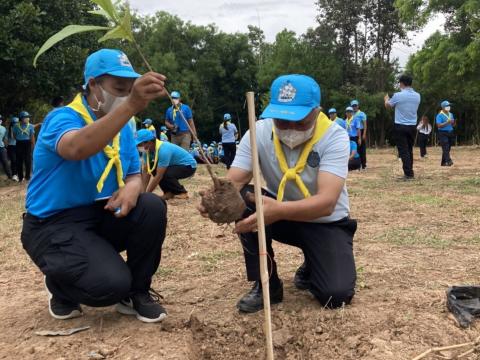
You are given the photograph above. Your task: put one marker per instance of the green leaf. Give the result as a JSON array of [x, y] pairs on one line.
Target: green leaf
[[109, 9], [122, 31], [100, 12], [64, 33]]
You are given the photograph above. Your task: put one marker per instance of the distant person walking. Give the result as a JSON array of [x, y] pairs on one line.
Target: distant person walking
[[229, 134], [174, 121], [361, 119], [406, 103], [424, 130], [445, 122], [24, 134]]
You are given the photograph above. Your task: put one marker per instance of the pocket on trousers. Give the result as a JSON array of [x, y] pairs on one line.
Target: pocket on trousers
[[65, 259]]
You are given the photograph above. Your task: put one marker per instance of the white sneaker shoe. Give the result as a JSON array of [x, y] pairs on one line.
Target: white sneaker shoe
[[15, 178]]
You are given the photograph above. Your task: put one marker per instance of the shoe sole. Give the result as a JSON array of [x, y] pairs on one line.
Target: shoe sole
[[127, 310], [72, 315]]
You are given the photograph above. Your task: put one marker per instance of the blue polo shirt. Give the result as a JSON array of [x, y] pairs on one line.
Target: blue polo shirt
[[341, 122], [23, 132], [352, 129], [406, 104], [354, 146], [361, 118], [441, 118], [178, 121], [58, 184], [3, 136], [173, 155]]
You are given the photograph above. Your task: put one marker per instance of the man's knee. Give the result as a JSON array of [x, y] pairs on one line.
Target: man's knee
[[153, 208], [333, 297], [108, 288]]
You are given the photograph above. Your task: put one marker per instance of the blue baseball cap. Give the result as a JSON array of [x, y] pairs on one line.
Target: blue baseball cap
[[144, 135], [349, 108], [354, 103], [227, 117], [292, 98], [445, 103], [24, 114], [147, 122], [332, 111], [15, 119], [108, 62], [175, 95], [163, 128]]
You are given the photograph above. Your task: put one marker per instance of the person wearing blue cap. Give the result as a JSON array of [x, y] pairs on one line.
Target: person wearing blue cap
[[180, 134], [148, 124], [406, 103], [3, 150], [84, 203], [352, 124], [12, 147], [229, 134], [361, 118], [164, 164], [332, 114], [304, 161], [163, 133], [24, 134], [445, 122]]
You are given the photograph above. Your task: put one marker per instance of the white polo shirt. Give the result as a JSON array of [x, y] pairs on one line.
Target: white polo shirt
[[329, 154]]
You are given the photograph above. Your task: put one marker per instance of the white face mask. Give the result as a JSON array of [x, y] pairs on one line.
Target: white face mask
[[293, 138], [447, 108], [110, 102]]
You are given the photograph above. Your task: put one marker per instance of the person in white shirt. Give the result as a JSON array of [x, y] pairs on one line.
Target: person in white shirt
[[424, 130]]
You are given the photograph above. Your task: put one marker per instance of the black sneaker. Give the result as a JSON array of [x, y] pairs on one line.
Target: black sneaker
[[145, 306], [61, 309], [253, 300], [301, 279], [406, 178]]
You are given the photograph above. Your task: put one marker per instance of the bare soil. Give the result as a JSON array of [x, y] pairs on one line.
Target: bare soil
[[414, 240]]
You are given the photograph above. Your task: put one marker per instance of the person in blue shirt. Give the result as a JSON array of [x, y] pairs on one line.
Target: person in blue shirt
[[177, 124], [229, 134], [361, 119], [445, 122], [164, 164], [332, 114], [3, 149], [12, 147], [24, 134], [354, 162], [163, 133], [352, 124], [148, 124], [406, 103], [84, 204]]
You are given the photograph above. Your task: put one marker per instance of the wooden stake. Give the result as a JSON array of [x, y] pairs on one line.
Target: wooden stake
[[262, 243]]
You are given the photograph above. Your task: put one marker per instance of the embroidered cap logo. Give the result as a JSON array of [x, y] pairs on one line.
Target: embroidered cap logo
[[124, 60], [287, 93]]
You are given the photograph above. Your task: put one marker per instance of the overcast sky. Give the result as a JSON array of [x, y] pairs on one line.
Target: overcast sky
[[271, 15]]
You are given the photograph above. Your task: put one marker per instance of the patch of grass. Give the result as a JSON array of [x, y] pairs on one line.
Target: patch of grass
[[212, 260], [470, 186], [164, 271], [426, 199], [409, 235]]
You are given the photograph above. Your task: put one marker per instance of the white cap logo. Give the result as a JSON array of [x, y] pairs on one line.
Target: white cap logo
[[287, 93], [124, 60]]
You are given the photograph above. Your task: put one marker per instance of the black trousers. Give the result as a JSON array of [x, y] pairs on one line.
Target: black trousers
[[405, 137], [4, 161], [422, 143], [446, 139], [24, 157], [362, 151], [12, 155], [354, 164], [169, 182], [328, 251], [229, 151], [78, 250]]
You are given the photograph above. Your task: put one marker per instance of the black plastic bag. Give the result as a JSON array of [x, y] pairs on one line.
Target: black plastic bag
[[464, 303]]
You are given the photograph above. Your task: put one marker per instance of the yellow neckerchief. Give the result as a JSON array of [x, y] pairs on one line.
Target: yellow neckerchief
[[349, 121], [25, 131], [176, 108], [446, 114], [111, 151], [290, 174], [151, 128], [158, 143]]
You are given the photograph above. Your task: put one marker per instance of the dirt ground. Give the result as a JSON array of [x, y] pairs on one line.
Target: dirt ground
[[414, 239]]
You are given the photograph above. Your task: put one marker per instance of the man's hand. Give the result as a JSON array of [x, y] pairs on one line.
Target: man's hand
[[360, 141], [272, 212], [124, 199], [386, 98], [145, 89]]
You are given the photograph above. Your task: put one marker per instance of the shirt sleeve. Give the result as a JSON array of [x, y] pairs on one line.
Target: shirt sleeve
[[334, 160], [31, 130], [134, 167], [56, 127], [164, 156], [243, 157], [394, 100], [188, 112], [168, 115], [440, 119]]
